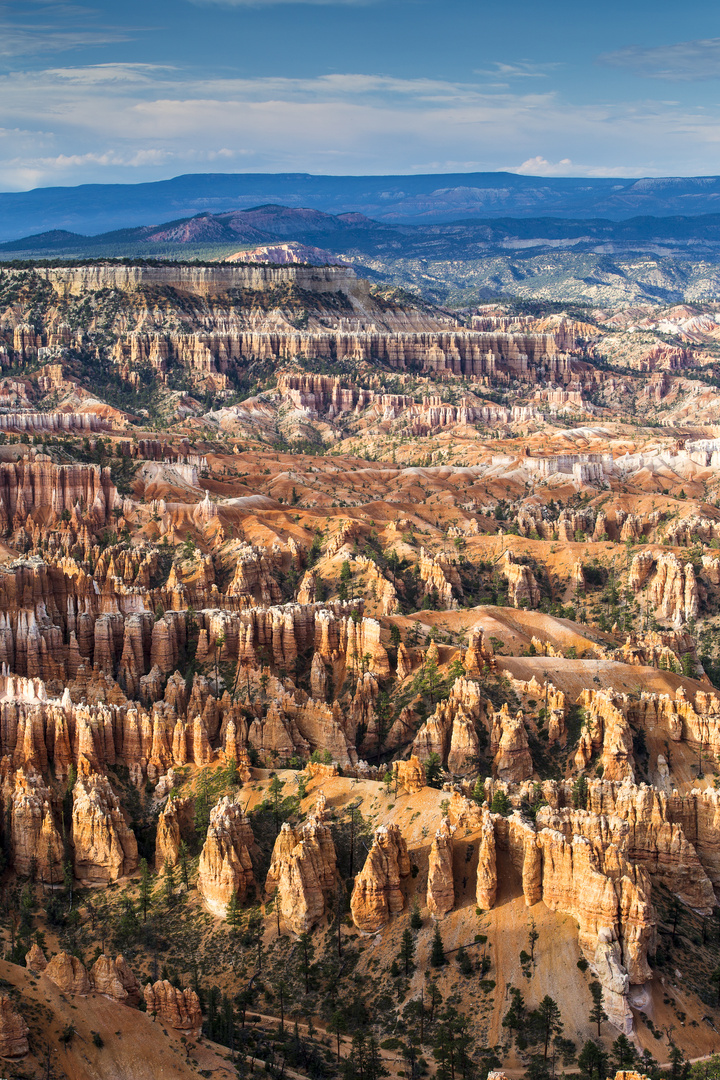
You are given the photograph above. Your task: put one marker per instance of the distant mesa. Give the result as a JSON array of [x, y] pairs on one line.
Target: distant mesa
[[287, 254]]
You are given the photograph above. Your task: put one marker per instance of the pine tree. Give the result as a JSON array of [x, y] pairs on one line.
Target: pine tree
[[184, 860], [437, 953], [548, 1022], [275, 792], [145, 888], [233, 914], [415, 916], [478, 792], [304, 943], [624, 1052], [407, 951], [338, 1027], [580, 793], [169, 883], [597, 1013], [593, 1061], [433, 771], [501, 803]]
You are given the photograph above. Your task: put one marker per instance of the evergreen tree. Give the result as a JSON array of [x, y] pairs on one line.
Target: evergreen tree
[[593, 1061], [145, 888], [338, 1027], [580, 793], [597, 1013], [435, 997], [415, 916], [233, 914], [169, 883], [624, 1053], [437, 953], [478, 792], [407, 951], [304, 943], [433, 771], [275, 790], [184, 861], [501, 803], [547, 1022]]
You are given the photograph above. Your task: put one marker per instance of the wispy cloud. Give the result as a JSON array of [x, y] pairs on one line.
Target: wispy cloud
[[685, 61], [53, 28], [128, 121], [521, 69]]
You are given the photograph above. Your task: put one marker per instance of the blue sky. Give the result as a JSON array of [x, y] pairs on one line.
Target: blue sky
[[134, 91]]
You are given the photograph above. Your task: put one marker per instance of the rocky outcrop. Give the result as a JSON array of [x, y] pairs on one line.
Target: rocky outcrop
[[440, 886], [672, 587], [105, 848], [35, 960], [225, 868], [377, 893], [450, 732], [410, 774], [655, 841], [439, 576], [523, 589], [180, 1009], [578, 863], [509, 742], [486, 890], [68, 973], [174, 825], [114, 979], [13, 1031], [36, 842], [606, 729], [303, 871], [479, 654]]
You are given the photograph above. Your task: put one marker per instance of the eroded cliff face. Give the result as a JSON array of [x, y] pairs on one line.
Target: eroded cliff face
[[377, 893], [303, 874], [13, 1031], [105, 847], [225, 869], [579, 863], [115, 980], [180, 1009], [440, 886]]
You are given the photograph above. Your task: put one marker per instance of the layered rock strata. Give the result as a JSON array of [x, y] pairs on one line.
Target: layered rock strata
[[225, 868], [377, 893]]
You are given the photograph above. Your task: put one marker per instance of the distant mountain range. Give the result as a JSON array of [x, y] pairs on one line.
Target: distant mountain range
[[93, 208], [660, 259], [356, 233]]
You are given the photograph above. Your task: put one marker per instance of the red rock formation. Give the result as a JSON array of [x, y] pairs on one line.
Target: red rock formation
[[105, 847], [303, 871], [377, 893], [13, 1031], [410, 774], [508, 739], [225, 867], [180, 1009], [68, 973], [115, 980], [523, 589], [440, 886], [35, 959]]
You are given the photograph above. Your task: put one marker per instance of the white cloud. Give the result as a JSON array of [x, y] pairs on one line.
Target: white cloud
[[113, 122], [54, 27], [685, 61], [540, 166]]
